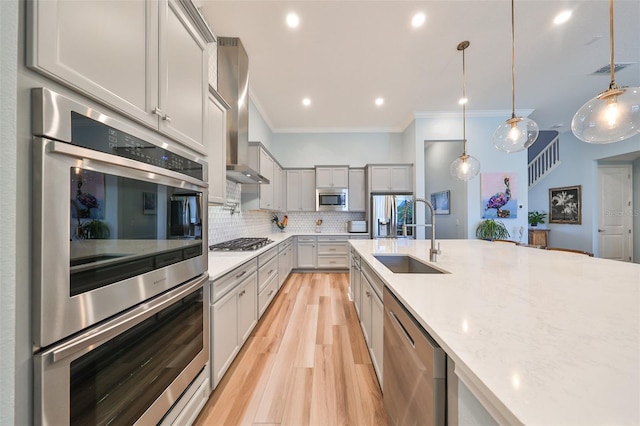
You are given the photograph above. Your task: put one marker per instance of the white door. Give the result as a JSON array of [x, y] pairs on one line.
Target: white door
[[615, 225]]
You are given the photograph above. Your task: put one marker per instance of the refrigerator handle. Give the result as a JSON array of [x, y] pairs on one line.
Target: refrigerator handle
[[394, 217]]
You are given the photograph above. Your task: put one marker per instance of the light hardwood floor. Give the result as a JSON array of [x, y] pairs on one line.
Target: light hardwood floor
[[306, 363]]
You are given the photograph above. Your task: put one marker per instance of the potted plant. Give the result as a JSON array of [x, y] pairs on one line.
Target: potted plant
[[491, 229], [536, 217]]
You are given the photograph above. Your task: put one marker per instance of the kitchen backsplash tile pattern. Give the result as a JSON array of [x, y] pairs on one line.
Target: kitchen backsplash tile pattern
[[223, 225]]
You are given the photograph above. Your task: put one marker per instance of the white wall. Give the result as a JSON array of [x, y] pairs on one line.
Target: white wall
[[10, 376], [354, 149], [479, 133], [438, 158], [579, 167]]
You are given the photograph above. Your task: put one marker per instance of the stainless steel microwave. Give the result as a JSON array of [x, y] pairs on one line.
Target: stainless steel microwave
[[332, 200]]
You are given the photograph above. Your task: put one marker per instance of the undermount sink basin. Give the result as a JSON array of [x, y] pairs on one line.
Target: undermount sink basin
[[403, 264]]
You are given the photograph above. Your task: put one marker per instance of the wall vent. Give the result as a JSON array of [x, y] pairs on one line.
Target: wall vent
[[607, 68]]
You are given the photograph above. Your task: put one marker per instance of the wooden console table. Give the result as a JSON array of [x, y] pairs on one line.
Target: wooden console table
[[539, 237]]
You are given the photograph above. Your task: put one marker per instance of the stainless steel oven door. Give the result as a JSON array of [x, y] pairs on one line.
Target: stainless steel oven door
[[128, 370]]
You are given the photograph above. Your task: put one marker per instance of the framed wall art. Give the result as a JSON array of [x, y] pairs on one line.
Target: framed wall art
[[565, 205], [441, 202], [499, 195], [149, 203]]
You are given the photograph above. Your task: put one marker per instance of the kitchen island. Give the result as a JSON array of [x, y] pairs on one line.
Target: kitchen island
[[539, 337]]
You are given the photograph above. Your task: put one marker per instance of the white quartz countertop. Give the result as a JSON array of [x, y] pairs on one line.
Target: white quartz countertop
[[541, 337]]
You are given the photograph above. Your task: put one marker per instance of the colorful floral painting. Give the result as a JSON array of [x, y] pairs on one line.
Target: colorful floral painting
[[499, 195], [565, 205]]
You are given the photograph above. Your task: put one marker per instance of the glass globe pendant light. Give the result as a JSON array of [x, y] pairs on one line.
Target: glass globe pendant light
[[517, 133], [464, 167], [613, 115]]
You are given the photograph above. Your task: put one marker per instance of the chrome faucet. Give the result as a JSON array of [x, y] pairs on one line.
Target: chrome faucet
[[433, 252]]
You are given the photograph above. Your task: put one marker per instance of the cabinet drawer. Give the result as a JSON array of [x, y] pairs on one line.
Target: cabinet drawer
[[333, 261], [284, 245], [328, 238], [224, 284], [372, 277], [266, 272], [332, 248], [267, 294], [306, 239], [265, 257]]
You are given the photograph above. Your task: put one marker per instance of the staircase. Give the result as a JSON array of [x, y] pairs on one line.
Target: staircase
[[546, 160]]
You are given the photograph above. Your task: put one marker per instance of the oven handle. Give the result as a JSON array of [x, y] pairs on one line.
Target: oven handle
[[138, 314], [89, 154]]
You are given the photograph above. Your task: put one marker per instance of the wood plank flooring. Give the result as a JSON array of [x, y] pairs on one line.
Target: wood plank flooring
[[305, 363]]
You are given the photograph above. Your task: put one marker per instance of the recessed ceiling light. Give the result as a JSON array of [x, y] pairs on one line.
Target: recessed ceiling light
[[418, 19], [379, 101], [463, 101], [293, 20], [306, 102], [562, 17]]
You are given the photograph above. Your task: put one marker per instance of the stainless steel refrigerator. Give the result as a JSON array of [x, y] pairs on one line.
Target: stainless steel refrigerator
[[387, 212]]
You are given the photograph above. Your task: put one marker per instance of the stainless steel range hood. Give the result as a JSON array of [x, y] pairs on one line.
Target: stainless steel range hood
[[233, 85]]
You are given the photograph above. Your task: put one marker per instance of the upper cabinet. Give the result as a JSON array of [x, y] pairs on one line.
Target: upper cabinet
[[356, 190], [301, 191], [264, 196], [332, 177], [215, 143], [391, 178], [147, 59]]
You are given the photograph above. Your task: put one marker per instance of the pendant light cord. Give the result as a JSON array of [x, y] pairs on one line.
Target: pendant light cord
[[612, 85], [464, 106], [513, 61]]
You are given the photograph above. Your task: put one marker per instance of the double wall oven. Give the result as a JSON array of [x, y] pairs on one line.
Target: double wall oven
[[120, 326]]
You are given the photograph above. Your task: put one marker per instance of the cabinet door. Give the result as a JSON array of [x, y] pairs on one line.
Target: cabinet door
[[356, 190], [306, 255], [379, 178], [216, 150], [324, 177], [377, 328], [293, 190], [183, 76], [224, 316], [365, 318], [266, 190], [105, 50], [247, 307], [356, 288], [307, 190], [400, 178], [276, 185], [340, 177]]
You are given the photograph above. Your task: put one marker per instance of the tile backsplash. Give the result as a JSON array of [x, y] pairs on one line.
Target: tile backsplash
[[225, 225]]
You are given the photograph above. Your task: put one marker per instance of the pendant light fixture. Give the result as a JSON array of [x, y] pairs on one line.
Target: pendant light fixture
[[517, 133], [464, 167], [613, 115]]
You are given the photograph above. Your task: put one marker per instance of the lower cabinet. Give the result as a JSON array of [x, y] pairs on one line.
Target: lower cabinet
[[322, 252], [267, 278], [355, 282], [306, 252], [371, 317], [285, 261], [234, 314]]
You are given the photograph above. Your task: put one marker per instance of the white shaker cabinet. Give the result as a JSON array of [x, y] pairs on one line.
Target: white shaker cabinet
[[215, 142], [357, 190], [260, 196], [306, 252], [332, 177], [301, 190], [147, 59], [234, 314], [372, 316], [387, 178]]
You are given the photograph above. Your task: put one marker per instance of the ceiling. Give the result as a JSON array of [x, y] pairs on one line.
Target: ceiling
[[344, 54]]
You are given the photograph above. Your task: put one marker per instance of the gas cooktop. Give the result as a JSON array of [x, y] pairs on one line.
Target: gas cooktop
[[241, 244]]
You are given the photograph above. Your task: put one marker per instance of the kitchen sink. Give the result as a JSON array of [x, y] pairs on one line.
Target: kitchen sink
[[404, 264]]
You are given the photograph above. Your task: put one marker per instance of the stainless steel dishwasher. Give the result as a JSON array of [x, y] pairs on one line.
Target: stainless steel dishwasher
[[414, 370]]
